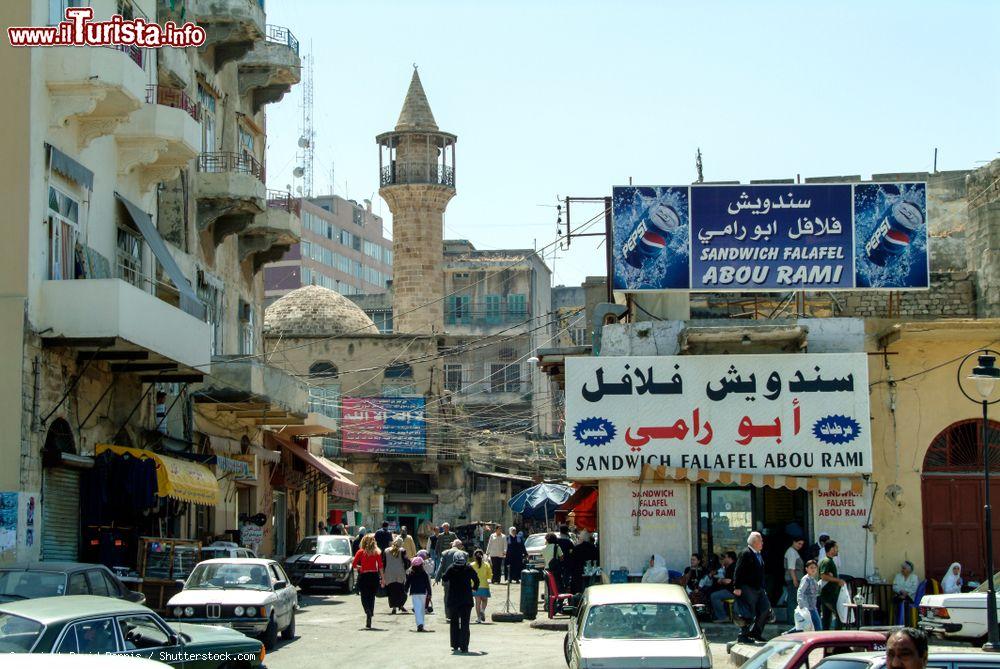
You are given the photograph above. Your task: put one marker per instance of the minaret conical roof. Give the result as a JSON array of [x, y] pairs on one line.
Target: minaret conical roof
[[416, 113]]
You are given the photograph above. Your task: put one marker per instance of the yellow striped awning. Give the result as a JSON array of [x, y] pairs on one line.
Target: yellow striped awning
[[841, 484], [176, 478]]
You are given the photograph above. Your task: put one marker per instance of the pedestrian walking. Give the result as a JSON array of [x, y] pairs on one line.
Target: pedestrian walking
[[368, 563], [829, 593], [418, 585], [484, 572], [383, 537], [432, 541], [793, 574], [445, 542], [447, 558], [356, 544], [516, 553], [460, 582], [396, 564], [408, 545], [750, 592], [807, 596], [428, 565], [496, 549]]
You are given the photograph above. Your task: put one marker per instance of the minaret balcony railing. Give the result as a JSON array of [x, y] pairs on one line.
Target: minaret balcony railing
[[418, 173]]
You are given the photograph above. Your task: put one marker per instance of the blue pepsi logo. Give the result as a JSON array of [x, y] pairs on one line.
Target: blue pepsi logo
[[837, 429], [594, 431]]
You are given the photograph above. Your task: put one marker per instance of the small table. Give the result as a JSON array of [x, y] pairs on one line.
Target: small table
[[860, 611]]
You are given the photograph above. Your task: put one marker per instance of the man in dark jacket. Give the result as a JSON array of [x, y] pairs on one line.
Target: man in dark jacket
[[461, 581], [383, 537], [748, 581]]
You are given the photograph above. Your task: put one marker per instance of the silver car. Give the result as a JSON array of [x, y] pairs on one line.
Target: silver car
[[635, 625]]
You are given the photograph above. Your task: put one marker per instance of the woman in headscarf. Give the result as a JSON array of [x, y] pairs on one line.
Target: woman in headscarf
[[428, 566], [905, 584], [356, 544], [396, 564], [515, 555], [952, 582], [657, 572]]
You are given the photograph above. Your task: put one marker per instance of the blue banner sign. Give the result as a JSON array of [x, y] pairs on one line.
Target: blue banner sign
[[384, 425], [773, 237]]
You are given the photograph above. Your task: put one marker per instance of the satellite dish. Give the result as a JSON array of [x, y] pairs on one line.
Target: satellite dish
[[298, 172], [303, 141]]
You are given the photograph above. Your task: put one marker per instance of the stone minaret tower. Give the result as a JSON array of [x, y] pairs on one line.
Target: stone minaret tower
[[417, 166]]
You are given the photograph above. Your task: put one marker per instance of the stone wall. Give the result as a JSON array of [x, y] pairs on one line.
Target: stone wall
[[983, 236], [952, 295]]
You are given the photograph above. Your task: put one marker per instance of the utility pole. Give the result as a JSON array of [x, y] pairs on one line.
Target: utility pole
[[698, 166]]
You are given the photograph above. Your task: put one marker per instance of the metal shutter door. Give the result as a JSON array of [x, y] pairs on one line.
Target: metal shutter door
[[61, 514]]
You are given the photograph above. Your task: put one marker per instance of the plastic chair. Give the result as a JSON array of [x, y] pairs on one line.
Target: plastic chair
[[553, 594], [618, 576]]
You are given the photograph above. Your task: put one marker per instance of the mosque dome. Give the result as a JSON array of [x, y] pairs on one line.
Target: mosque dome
[[314, 311]]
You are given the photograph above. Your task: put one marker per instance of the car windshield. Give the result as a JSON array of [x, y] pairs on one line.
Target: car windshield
[[535, 541], [325, 546], [228, 575], [17, 634], [639, 621], [774, 655], [20, 584], [984, 586]]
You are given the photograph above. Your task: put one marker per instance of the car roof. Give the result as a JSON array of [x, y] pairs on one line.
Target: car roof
[[840, 636], [54, 609], [235, 560], [634, 593], [49, 566]]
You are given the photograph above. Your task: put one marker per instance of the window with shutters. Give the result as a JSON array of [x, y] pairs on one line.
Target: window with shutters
[[517, 307], [458, 310], [493, 313]]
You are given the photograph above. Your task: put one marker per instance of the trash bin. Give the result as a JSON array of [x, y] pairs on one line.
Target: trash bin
[[529, 593]]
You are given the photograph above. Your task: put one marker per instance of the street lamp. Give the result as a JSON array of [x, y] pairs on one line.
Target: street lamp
[[985, 377]]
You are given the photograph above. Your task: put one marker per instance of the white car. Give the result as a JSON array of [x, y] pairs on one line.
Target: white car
[[251, 595], [636, 625], [322, 561], [957, 616]]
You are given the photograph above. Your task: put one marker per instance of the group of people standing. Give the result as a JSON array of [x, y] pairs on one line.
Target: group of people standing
[[507, 554]]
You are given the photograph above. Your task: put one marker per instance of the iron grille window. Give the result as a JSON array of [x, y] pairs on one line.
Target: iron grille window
[[453, 373]]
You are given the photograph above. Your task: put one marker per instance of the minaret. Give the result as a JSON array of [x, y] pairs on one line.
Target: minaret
[[417, 168]]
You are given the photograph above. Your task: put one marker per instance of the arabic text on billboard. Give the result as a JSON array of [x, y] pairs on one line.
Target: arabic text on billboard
[[771, 237], [384, 425], [795, 414]]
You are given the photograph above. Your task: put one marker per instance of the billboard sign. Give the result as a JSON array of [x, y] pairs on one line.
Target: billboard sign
[[791, 414], [394, 425], [767, 237]]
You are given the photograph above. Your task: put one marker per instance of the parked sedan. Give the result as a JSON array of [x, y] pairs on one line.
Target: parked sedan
[[804, 649], [950, 660], [85, 624], [636, 625], [323, 560], [28, 580], [251, 595], [957, 616], [534, 544]]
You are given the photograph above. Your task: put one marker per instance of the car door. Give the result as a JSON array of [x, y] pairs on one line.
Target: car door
[[284, 597], [94, 636], [145, 635]]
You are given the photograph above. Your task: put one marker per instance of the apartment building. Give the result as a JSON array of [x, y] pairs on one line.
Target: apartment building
[[343, 248], [132, 294]]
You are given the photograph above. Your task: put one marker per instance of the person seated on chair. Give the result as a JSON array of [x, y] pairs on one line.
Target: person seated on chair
[[952, 582], [723, 587], [657, 572], [904, 586]]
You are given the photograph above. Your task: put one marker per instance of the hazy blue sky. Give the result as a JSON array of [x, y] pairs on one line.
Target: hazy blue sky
[[570, 97]]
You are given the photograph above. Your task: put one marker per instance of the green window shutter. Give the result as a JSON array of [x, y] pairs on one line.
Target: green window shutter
[[449, 314]]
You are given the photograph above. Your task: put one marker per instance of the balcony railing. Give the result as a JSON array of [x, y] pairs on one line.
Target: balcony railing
[[418, 173], [282, 35], [282, 199], [137, 54], [168, 96], [228, 161]]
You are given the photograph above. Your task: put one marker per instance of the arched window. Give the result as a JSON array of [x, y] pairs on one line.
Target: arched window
[[60, 437], [959, 448], [399, 371], [324, 391], [323, 370]]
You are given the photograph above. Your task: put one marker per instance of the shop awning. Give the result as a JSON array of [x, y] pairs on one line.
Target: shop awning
[[841, 484], [582, 506], [175, 478], [340, 485]]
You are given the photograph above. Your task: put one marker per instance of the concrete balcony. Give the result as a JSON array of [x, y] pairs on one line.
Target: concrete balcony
[[273, 232], [229, 188], [232, 27], [174, 68], [161, 138], [118, 320], [97, 87], [271, 68]]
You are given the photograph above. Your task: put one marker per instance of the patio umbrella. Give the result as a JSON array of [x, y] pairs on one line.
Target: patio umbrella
[[540, 501]]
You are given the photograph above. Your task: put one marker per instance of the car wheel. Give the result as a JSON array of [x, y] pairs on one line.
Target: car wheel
[[270, 636], [289, 632], [566, 648]]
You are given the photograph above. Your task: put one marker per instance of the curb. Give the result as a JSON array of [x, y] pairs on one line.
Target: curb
[[550, 625]]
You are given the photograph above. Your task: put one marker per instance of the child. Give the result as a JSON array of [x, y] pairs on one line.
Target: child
[[485, 573], [418, 584], [808, 593]]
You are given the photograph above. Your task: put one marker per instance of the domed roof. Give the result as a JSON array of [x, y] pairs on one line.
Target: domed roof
[[316, 311]]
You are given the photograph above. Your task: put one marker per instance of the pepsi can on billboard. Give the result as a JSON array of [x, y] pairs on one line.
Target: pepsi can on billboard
[[651, 235], [892, 236]]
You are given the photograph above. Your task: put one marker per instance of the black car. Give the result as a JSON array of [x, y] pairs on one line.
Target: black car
[[29, 580]]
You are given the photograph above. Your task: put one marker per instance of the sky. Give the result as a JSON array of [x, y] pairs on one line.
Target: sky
[[551, 98]]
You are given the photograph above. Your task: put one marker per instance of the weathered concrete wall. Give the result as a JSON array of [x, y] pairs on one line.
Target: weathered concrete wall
[[983, 236]]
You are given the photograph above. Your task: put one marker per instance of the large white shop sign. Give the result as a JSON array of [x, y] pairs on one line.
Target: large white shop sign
[[796, 414]]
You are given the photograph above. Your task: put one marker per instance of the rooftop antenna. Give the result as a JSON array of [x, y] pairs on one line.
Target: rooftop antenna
[[307, 138]]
